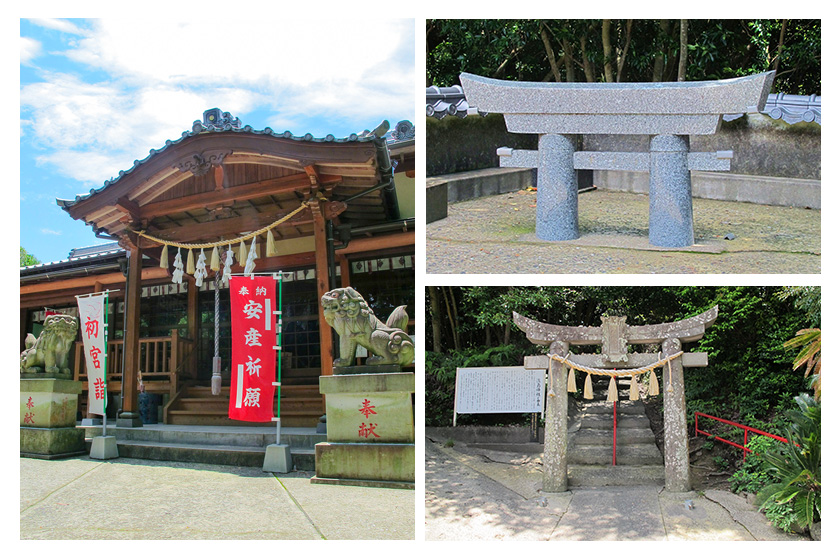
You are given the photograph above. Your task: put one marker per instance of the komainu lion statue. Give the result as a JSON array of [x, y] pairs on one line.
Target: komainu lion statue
[[48, 355], [348, 313]]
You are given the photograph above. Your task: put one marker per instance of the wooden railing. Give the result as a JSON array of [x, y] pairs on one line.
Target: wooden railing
[[162, 363]]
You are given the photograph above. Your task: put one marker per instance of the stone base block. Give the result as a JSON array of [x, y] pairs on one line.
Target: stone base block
[[278, 458], [49, 403], [369, 407], [365, 464], [104, 447], [51, 443], [436, 202]]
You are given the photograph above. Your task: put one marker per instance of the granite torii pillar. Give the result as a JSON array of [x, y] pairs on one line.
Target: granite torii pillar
[[613, 336], [668, 112]]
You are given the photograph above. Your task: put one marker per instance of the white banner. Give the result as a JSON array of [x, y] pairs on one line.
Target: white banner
[[499, 389], [92, 319]]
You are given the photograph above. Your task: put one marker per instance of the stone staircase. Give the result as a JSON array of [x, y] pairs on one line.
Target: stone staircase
[[638, 459], [301, 406], [242, 446]]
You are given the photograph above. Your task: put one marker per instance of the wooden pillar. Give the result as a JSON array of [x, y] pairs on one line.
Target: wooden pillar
[[129, 416], [555, 459], [677, 473], [344, 266], [322, 283]]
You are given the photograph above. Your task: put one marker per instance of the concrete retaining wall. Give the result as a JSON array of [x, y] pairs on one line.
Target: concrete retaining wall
[[774, 191]]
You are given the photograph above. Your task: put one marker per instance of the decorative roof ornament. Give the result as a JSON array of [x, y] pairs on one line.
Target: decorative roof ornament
[[403, 131]]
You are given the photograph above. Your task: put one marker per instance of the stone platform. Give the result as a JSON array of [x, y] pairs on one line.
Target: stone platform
[[370, 430], [47, 418]]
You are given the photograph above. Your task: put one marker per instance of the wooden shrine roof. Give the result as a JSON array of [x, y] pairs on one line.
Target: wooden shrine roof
[[221, 180]]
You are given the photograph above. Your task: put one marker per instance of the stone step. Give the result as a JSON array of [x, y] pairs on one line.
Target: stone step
[[624, 407], [605, 421], [619, 475], [245, 436], [236, 455], [625, 435], [628, 454]]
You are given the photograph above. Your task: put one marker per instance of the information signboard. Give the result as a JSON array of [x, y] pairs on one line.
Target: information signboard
[[498, 389]]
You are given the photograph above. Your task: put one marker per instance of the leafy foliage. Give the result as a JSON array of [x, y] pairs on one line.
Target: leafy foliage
[[748, 379], [636, 50], [26, 259], [797, 465], [751, 476]]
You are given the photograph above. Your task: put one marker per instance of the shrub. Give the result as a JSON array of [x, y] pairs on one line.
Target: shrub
[[797, 465]]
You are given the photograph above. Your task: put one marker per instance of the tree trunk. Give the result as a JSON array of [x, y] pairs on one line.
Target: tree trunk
[[780, 47], [659, 59], [450, 312], [683, 50], [455, 316], [587, 68], [608, 50], [570, 62], [434, 312], [507, 334], [623, 57], [550, 53]]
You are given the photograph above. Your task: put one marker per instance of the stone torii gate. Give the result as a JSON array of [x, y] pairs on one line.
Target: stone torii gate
[[667, 111], [613, 336]]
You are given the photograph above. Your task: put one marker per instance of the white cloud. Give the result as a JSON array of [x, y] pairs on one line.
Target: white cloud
[[161, 76], [29, 49], [46, 231], [63, 25]]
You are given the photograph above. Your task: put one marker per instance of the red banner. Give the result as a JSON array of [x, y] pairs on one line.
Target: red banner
[[253, 358]]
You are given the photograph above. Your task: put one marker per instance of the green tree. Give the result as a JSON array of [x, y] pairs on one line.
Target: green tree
[[26, 259], [626, 50]]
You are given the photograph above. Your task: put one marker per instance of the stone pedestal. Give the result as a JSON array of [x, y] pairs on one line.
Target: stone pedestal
[[370, 430], [104, 447], [278, 458], [48, 418]]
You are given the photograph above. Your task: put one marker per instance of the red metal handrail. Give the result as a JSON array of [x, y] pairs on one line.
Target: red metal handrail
[[746, 429]]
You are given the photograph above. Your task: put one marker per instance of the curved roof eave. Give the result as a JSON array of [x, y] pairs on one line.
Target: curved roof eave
[[199, 128]]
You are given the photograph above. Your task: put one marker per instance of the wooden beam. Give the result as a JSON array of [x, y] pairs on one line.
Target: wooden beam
[[215, 229], [129, 207], [402, 239], [242, 192], [89, 281]]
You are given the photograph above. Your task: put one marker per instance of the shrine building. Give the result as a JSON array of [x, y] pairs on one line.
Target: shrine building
[[349, 204]]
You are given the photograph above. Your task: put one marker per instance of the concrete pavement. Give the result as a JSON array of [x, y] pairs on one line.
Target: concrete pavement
[[80, 498], [481, 494]]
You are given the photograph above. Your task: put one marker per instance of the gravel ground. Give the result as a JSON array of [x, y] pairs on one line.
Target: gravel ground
[[495, 234]]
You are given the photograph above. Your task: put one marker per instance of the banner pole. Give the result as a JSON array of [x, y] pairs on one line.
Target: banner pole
[[105, 371], [279, 313]]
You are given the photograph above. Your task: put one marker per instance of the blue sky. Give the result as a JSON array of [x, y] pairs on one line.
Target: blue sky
[[95, 95]]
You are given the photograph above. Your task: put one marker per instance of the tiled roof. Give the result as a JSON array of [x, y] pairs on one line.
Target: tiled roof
[[790, 108], [447, 101], [76, 259], [216, 121]]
